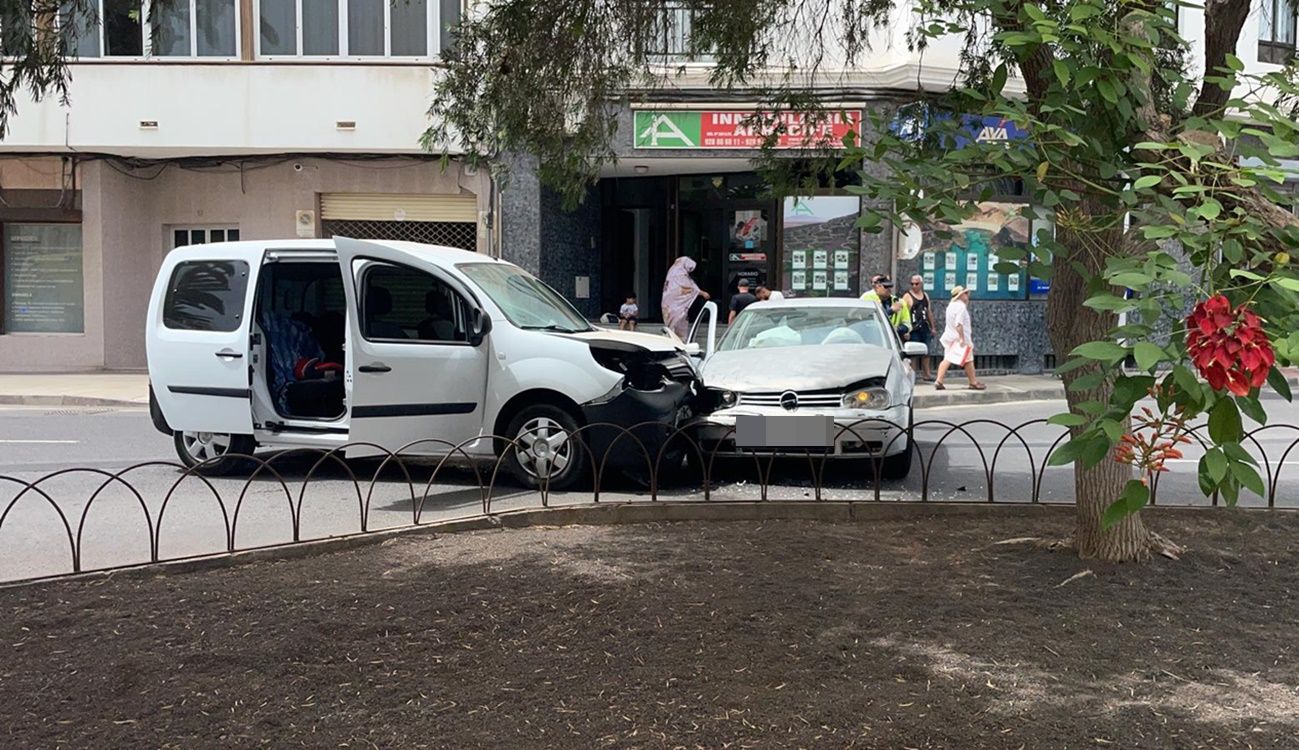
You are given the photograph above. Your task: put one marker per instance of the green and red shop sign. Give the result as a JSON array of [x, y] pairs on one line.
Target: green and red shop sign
[[744, 129]]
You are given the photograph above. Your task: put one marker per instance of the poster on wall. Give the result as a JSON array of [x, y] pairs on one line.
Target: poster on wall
[[43, 278], [820, 239], [970, 255], [929, 262]]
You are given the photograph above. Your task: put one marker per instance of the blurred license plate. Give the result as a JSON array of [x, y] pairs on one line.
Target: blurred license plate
[[784, 431]]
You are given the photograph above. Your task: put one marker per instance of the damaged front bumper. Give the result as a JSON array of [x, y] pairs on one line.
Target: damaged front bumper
[[629, 427]]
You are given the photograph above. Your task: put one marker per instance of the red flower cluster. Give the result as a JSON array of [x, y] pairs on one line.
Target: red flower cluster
[[1154, 440], [1229, 346]]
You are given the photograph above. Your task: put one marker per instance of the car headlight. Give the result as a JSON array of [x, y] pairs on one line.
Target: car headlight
[[725, 399], [866, 398]]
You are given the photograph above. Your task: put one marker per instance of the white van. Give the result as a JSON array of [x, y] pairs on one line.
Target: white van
[[380, 345]]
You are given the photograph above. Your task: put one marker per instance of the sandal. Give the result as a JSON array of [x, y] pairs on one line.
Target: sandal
[[939, 386], [978, 387]]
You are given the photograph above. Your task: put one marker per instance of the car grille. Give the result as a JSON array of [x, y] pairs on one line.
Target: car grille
[[805, 400]]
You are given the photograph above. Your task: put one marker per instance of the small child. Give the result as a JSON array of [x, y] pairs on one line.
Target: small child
[[628, 313]]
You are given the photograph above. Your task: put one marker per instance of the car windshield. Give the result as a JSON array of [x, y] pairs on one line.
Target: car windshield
[[526, 301], [769, 327]]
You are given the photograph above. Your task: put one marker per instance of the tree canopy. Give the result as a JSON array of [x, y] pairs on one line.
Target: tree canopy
[[1162, 171]]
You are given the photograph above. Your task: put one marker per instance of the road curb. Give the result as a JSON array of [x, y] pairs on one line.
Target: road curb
[[10, 400], [960, 396]]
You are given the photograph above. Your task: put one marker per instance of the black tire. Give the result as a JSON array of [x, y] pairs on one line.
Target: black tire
[[529, 463], [899, 466], [218, 453]]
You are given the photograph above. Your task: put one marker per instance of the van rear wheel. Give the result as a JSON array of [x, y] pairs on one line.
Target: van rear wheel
[[217, 453]]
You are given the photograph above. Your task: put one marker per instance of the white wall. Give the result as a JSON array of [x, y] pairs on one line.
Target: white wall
[[227, 108]]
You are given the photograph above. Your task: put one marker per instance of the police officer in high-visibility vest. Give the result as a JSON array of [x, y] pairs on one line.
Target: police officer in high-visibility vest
[[896, 308]]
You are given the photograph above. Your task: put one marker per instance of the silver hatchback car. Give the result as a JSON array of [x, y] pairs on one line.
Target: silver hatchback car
[[837, 358]]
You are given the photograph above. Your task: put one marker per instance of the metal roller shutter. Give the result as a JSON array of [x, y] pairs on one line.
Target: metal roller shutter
[[397, 207]]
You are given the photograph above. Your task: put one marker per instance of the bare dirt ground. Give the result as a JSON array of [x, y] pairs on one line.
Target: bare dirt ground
[[918, 633]]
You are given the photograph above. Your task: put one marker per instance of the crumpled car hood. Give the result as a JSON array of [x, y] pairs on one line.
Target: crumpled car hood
[[647, 341], [795, 368]]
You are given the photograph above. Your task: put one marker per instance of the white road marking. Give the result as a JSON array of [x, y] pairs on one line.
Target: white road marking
[[39, 442]]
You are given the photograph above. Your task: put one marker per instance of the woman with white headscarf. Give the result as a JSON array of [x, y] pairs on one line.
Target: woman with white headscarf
[[679, 294]]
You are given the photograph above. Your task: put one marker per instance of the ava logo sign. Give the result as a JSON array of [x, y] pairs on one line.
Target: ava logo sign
[[992, 133], [742, 129]]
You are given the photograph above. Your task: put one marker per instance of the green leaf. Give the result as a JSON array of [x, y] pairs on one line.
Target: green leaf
[[999, 78], [1101, 351], [1106, 87], [1224, 422], [1248, 478], [1252, 408], [1131, 280], [1279, 383], [1112, 429], [1094, 408], [1240, 273], [1134, 498], [1061, 73], [1067, 419], [1285, 282], [1148, 355], [1087, 382], [1146, 181], [1234, 63], [1213, 464], [1237, 453], [1066, 454], [1186, 380], [1159, 232], [1210, 209]]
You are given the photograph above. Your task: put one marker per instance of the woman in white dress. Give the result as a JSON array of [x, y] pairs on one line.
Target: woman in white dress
[[958, 340]]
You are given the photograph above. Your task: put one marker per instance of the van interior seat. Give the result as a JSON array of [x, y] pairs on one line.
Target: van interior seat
[[440, 325], [378, 302]]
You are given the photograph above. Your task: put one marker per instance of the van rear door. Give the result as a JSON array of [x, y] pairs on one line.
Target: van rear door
[[198, 338]]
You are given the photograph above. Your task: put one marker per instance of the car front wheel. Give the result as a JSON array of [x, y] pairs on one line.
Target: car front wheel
[[216, 453]]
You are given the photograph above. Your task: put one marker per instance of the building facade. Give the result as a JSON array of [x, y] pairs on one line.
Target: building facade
[[262, 119]]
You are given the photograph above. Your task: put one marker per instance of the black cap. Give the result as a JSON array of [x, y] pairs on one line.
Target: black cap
[[883, 281]]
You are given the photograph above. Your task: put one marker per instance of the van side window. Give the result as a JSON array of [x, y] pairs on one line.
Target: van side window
[[206, 295], [405, 304]]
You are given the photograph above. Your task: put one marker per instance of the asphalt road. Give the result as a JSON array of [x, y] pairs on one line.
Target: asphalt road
[[188, 519]]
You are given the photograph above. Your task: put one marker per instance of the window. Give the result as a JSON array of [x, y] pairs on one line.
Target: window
[[206, 295], [356, 28], [1276, 31], [527, 302], [672, 35], [181, 28], [43, 279], [182, 236], [408, 305]]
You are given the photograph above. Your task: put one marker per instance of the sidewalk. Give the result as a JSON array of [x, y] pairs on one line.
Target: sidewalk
[[132, 389]]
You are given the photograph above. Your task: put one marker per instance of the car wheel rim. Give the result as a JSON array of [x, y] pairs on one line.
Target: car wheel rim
[[205, 446], [544, 449]]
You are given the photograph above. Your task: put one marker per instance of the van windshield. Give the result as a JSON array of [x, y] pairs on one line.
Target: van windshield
[[526, 302]]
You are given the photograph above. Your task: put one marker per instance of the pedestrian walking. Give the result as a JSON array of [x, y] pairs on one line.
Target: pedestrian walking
[[958, 340], [922, 329], [680, 292]]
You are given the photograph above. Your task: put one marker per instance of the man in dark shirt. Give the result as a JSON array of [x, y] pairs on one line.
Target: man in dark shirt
[[741, 300]]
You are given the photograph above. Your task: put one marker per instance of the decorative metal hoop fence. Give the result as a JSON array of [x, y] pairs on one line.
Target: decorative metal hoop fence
[[662, 453]]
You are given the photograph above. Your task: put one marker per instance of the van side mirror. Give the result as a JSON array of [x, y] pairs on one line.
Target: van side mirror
[[915, 349], [480, 324]]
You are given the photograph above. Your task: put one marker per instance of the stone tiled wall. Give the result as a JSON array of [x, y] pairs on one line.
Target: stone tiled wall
[[570, 248]]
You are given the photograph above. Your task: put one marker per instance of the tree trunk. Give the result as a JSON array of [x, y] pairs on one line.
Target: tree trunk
[[1070, 324]]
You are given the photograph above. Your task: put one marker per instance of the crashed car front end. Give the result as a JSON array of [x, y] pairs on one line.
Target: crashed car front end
[[659, 393]]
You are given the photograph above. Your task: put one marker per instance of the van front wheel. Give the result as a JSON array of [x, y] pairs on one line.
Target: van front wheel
[[216, 453], [546, 449]]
